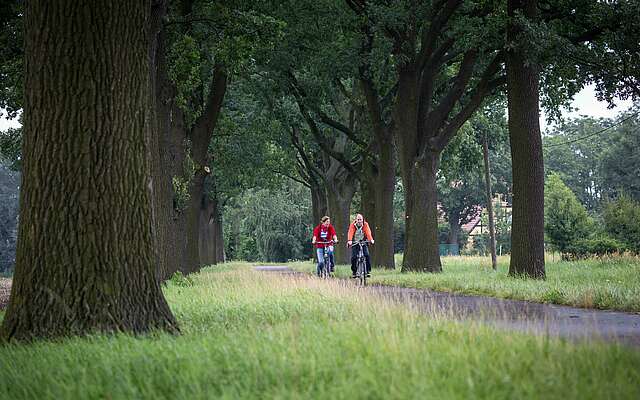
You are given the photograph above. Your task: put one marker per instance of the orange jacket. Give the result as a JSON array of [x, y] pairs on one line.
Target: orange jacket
[[365, 228]]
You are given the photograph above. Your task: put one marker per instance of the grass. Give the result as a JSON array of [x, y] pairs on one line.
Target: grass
[[606, 283], [258, 335]]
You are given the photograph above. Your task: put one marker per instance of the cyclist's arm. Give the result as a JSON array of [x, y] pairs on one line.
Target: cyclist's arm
[[367, 232], [350, 233]]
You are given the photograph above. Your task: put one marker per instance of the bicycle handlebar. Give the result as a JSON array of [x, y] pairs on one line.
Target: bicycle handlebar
[[360, 242]]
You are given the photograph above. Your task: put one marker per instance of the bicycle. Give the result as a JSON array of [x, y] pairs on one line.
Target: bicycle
[[361, 263], [325, 273]]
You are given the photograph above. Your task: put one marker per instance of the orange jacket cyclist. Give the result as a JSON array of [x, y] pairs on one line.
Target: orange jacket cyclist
[[359, 230]]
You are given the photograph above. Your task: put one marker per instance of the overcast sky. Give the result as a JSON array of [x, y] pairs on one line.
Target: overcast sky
[[585, 103]]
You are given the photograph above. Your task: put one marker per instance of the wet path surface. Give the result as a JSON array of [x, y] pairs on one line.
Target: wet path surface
[[517, 315]]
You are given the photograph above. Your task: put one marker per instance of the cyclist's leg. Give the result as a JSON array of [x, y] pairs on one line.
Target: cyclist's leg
[[333, 264], [320, 257], [354, 259], [365, 250]]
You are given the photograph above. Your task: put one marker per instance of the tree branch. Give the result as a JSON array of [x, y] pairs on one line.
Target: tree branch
[[488, 83], [438, 115], [430, 36]]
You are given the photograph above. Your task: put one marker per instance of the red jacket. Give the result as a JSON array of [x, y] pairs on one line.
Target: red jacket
[[323, 235]]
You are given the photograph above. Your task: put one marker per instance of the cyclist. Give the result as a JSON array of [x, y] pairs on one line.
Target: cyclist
[[324, 236], [359, 230]]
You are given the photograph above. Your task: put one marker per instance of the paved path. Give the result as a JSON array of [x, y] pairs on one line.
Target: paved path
[[524, 316]]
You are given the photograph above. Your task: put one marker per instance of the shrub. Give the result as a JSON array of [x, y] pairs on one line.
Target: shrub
[[622, 221], [566, 219], [598, 246]]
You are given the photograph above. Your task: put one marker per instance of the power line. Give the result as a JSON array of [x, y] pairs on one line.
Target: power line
[[595, 133]]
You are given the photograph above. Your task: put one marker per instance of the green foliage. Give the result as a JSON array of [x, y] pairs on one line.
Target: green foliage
[[622, 221], [185, 62], [619, 160], [566, 220], [11, 57], [180, 193], [597, 159], [269, 225], [11, 148], [459, 180], [598, 246]]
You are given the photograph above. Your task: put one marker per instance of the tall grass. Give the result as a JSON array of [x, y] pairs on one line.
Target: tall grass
[[605, 283], [261, 335]]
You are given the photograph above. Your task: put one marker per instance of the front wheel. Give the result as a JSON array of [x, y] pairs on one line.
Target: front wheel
[[362, 273]]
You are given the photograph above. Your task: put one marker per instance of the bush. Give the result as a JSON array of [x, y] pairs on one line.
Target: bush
[[597, 246], [622, 221], [566, 219]]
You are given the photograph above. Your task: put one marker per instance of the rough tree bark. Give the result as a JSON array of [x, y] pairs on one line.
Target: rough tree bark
[[527, 230], [172, 137], [384, 175], [162, 190], [421, 252], [219, 237], [319, 202], [85, 257], [200, 136], [207, 234]]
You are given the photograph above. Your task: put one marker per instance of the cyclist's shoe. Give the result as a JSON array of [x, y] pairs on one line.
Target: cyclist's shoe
[[354, 276], [368, 275]]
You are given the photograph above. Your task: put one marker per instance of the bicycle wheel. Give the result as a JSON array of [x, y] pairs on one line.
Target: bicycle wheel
[[325, 267], [362, 275]]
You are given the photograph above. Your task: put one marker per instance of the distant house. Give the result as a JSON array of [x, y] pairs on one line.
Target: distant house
[[478, 225]]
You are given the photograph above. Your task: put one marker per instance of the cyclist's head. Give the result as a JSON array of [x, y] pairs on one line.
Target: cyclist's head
[[359, 219], [325, 220]]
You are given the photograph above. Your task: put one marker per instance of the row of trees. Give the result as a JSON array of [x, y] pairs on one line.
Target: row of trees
[[135, 142]]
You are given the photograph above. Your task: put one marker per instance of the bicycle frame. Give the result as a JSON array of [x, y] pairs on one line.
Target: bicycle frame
[[325, 272], [361, 263]]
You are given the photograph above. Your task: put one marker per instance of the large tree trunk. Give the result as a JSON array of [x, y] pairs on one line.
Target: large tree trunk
[[527, 230], [385, 177], [172, 138], [200, 138], [207, 232], [385, 187], [454, 230], [319, 204], [219, 237], [421, 251], [193, 228], [176, 152], [161, 174], [85, 257]]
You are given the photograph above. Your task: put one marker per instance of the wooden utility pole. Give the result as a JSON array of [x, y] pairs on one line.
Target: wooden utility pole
[[487, 180]]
